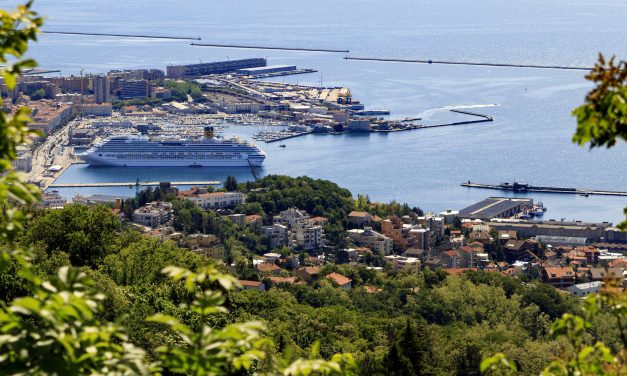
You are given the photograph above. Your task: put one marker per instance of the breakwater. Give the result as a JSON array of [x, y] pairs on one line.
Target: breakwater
[[131, 184], [523, 188]]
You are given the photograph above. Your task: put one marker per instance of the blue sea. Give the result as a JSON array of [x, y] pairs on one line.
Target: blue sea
[[529, 140]]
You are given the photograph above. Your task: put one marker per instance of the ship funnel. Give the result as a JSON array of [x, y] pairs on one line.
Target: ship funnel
[[209, 132]]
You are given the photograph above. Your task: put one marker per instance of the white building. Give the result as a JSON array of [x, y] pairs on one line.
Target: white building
[[584, 289], [53, 200], [303, 231], [367, 237], [153, 214], [277, 234], [216, 200], [401, 262]]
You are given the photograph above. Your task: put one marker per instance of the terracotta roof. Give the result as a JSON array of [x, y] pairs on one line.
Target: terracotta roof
[[618, 263], [359, 214], [564, 272], [244, 282], [372, 289], [450, 253], [339, 279], [290, 280], [267, 267], [252, 218], [311, 270]]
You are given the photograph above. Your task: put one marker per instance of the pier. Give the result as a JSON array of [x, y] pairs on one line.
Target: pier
[[131, 184], [447, 62], [523, 188], [287, 137], [120, 35], [268, 47]]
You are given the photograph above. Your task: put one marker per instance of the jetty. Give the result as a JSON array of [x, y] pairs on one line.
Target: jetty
[[523, 188], [131, 184]]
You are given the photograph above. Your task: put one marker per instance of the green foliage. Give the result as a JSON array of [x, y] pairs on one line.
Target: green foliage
[[276, 193], [86, 234], [180, 90], [38, 94], [602, 119], [54, 331], [230, 184]]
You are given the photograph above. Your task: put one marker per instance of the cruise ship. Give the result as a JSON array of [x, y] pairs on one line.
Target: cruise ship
[[139, 151]]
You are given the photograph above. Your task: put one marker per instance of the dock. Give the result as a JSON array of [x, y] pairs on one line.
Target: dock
[[287, 137], [131, 184], [523, 188]]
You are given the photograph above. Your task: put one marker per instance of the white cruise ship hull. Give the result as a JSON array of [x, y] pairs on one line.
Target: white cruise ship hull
[[133, 151], [239, 162]]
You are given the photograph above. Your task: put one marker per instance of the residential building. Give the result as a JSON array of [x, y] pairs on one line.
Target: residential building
[[584, 289], [399, 232], [153, 214], [212, 200], [53, 200], [308, 273], [340, 280], [102, 89], [359, 218], [252, 285], [48, 115], [277, 235], [600, 274], [377, 242], [94, 109], [254, 220], [560, 277], [268, 268], [129, 89], [450, 259], [303, 230], [402, 262], [238, 219], [520, 249]]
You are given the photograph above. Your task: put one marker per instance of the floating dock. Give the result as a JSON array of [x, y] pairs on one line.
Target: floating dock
[[523, 188], [131, 184]]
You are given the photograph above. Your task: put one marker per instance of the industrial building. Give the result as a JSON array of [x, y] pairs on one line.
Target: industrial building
[[496, 207], [526, 229], [218, 67], [266, 70]]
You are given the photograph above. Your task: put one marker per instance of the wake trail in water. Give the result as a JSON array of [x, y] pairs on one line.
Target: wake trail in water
[[427, 113]]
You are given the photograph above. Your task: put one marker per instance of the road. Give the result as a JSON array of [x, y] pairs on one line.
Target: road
[[53, 151]]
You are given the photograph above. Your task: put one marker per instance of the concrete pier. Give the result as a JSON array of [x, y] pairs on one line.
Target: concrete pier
[[131, 184]]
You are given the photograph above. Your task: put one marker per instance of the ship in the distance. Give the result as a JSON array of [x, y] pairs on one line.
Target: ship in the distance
[[139, 151]]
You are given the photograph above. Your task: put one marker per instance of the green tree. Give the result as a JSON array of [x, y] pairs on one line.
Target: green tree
[[602, 119], [86, 233], [230, 184]]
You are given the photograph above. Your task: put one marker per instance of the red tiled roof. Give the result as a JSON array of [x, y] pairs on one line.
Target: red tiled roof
[[359, 214], [290, 280], [559, 272], [267, 267], [450, 253], [339, 279], [244, 282]]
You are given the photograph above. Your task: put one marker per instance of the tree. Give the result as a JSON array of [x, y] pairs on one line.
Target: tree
[[602, 119], [53, 329], [230, 184], [86, 233]]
